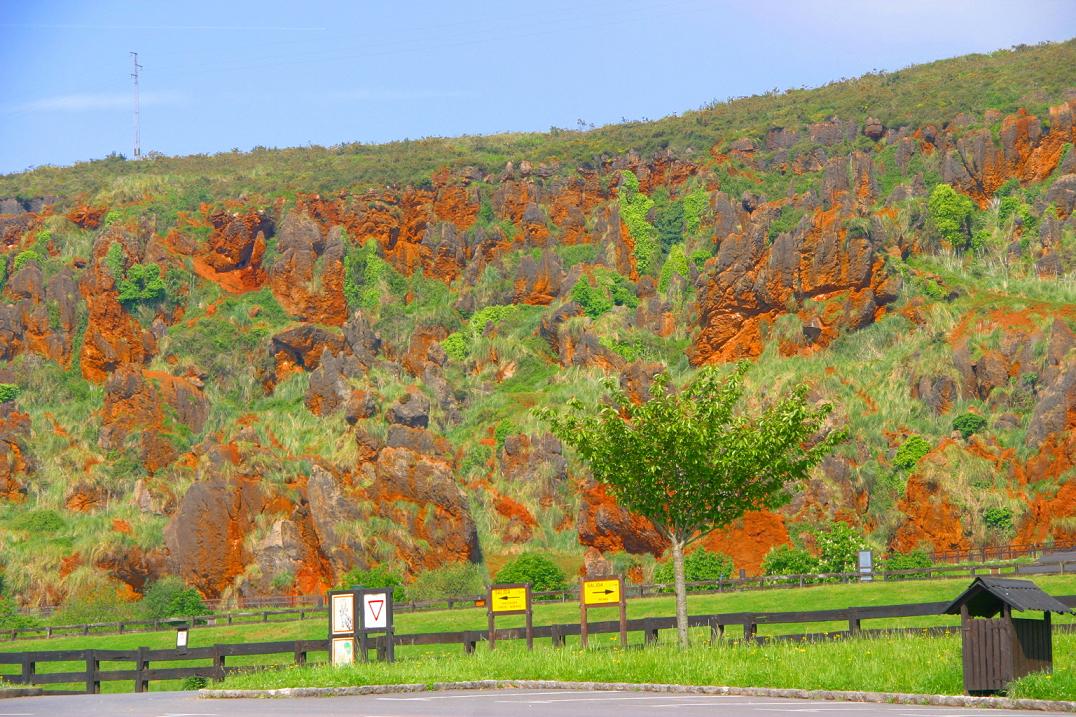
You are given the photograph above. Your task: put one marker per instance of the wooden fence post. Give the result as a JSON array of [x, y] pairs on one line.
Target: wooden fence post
[[29, 668], [141, 667], [300, 655], [93, 666], [854, 623], [218, 663], [650, 632]]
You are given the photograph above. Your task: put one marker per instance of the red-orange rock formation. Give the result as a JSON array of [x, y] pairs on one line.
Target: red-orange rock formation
[[606, 526], [113, 337], [749, 539], [308, 278], [233, 254], [16, 463]]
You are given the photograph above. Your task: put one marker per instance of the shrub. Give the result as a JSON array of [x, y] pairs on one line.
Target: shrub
[[910, 452], [572, 254], [699, 565], [534, 568], [142, 282], [969, 424], [455, 346], [378, 577], [839, 548], [170, 597], [194, 683], [594, 300], [785, 221], [789, 560], [634, 208], [96, 603], [609, 289], [41, 521], [998, 518], [11, 618], [22, 258], [115, 260], [8, 392], [950, 212], [908, 561], [452, 580], [676, 263], [694, 205]]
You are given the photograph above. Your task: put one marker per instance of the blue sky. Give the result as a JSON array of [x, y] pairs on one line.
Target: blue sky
[[221, 75]]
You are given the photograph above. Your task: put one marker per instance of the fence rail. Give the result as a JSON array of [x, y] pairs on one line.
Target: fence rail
[[764, 582], [146, 661]]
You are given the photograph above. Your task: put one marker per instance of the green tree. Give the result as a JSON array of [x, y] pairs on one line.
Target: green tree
[[951, 213], [694, 460], [542, 573]]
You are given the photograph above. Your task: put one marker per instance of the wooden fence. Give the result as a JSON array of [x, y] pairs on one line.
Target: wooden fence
[[146, 662], [763, 582]]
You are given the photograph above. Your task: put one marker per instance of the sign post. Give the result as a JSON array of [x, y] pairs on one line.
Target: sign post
[[604, 592], [353, 616], [514, 599]]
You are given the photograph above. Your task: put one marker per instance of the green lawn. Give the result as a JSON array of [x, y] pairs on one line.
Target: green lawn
[[813, 598], [895, 664]]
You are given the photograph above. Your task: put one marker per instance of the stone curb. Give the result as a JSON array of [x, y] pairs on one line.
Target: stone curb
[[8, 692], [876, 697]]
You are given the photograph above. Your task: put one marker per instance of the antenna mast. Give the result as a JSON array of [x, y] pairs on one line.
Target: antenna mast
[[137, 107]]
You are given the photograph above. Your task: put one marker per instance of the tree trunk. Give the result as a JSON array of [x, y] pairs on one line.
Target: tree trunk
[[681, 591]]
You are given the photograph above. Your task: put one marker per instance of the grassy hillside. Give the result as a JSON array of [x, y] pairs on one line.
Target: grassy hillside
[[260, 371]]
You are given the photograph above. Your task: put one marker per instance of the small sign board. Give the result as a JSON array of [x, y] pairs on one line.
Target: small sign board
[[866, 566], [342, 613], [601, 592], [509, 599], [376, 607], [343, 651]]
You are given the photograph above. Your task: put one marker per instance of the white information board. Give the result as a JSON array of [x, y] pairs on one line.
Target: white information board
[[375, 612]]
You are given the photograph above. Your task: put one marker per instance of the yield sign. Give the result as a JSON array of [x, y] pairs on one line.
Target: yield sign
[[373, 610]]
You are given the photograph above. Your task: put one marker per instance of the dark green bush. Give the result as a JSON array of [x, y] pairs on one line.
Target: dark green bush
[[42, 521], [141, 283], [11, 618], [452, 580], [969, 424], [8, 392], [908, 561], [789, 560], [951, 214], [170, 597], [699, 565], [909, 453], [998, 518], [534, 568], [378, 577]]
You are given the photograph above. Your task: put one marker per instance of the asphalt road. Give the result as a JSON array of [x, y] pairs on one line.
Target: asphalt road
[[499, 703]]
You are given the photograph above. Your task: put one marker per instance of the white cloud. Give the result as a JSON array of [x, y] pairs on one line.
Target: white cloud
[[88, 102]]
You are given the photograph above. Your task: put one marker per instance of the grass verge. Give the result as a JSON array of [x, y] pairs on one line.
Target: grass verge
[[891, 664]]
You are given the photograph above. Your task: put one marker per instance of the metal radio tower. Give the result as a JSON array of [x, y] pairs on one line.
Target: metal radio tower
[[137, 107]]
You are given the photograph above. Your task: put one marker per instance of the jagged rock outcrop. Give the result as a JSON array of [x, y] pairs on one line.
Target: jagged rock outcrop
[[308, 278]]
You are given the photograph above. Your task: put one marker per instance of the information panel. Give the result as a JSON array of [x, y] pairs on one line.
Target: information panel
[[510, 599], [601, 592]]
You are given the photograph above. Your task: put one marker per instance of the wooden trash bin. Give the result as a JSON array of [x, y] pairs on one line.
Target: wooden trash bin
[[997, 647]]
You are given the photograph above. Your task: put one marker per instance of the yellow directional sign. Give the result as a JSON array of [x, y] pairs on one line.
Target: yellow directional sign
[[508, 599], [601, 592]]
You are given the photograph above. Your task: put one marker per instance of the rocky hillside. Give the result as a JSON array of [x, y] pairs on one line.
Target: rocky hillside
[[258, 371]]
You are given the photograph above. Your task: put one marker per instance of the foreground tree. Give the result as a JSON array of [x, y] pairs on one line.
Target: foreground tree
[[690, 461]]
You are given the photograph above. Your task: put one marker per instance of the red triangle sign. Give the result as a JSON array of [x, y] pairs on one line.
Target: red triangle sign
[[375, 608]]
